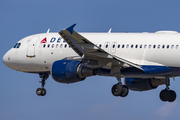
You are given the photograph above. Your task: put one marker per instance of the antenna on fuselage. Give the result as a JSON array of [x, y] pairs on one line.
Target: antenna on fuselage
[[48, 30], [110, 30]]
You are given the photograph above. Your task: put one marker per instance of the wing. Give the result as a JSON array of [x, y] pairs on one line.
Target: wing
[[86, 49], [89, 51]]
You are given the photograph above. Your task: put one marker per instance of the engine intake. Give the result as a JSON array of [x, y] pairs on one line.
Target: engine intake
[[69, 71]]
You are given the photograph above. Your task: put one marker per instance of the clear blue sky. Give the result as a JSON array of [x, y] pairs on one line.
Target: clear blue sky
[[92, 98]]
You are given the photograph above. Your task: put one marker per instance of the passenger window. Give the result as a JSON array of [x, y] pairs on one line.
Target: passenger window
[[159, 46], [113, 46], [52, 45], [122, 46], [172, 46], [57, 45], [149, 46], [163, 46], [154, 46], [167, 46], [136, 46], [44, 45], [61, 45], [131, 46], [106, 45], [177, 46], [65, 45], [140, 46], [127, 46], [48, 45], [145, 46], [118, 46], [100, 45]]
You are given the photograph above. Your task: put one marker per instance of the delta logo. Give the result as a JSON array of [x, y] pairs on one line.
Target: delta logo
[[44, 40]]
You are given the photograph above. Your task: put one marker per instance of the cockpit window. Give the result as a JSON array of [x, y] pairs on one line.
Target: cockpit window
[[17, 45]]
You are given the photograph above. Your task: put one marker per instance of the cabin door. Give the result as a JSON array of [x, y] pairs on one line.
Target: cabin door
[[31, 47]]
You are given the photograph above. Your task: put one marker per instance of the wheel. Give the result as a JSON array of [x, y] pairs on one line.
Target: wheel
[[167, 95], [164, 95], [116, 90], [43, 91], [173, 96], [125, 91], [38, 91]]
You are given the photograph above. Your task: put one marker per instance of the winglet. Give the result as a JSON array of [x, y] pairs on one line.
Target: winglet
[[70, 29]]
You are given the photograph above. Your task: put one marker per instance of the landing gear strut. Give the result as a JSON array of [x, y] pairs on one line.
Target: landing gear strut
[[120, 90], [42, 91], [167, 94]]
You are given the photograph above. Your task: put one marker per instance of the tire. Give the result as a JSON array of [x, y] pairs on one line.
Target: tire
[[173, 96], [38, 91], [165, 95], [43, 91], [116, 90], [125, 91]]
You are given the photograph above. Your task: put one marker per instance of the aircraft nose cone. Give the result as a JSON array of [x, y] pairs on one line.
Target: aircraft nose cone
[[5, 59], [10, 59]]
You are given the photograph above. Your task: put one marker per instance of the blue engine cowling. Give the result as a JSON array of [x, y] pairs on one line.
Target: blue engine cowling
[[70, 71], [139, 84]]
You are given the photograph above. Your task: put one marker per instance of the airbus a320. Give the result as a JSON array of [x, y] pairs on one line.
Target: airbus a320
[[143, 60]]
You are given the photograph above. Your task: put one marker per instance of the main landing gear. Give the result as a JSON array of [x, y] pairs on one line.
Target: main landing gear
[[120, 90], [42, 91], [167, 94]]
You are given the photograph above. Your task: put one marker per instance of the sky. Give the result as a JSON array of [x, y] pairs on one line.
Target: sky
[[91, 98]]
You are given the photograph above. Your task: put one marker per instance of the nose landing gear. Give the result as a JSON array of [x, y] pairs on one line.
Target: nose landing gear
[[42, 91]]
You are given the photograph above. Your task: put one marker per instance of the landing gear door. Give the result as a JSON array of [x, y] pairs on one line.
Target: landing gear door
[[31, 47], [106, 46]]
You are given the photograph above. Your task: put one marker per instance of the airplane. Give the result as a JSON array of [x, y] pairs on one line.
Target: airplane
[[143, 60]]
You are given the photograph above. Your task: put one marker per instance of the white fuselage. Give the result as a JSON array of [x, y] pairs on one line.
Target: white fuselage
[[140, 48], [144, 60]]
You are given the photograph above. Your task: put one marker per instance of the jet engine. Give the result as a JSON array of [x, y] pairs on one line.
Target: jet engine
[[70, 71], [140, 84]]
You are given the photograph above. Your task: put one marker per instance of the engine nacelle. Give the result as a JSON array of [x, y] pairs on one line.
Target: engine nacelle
[[139, 84], [69, 71]]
